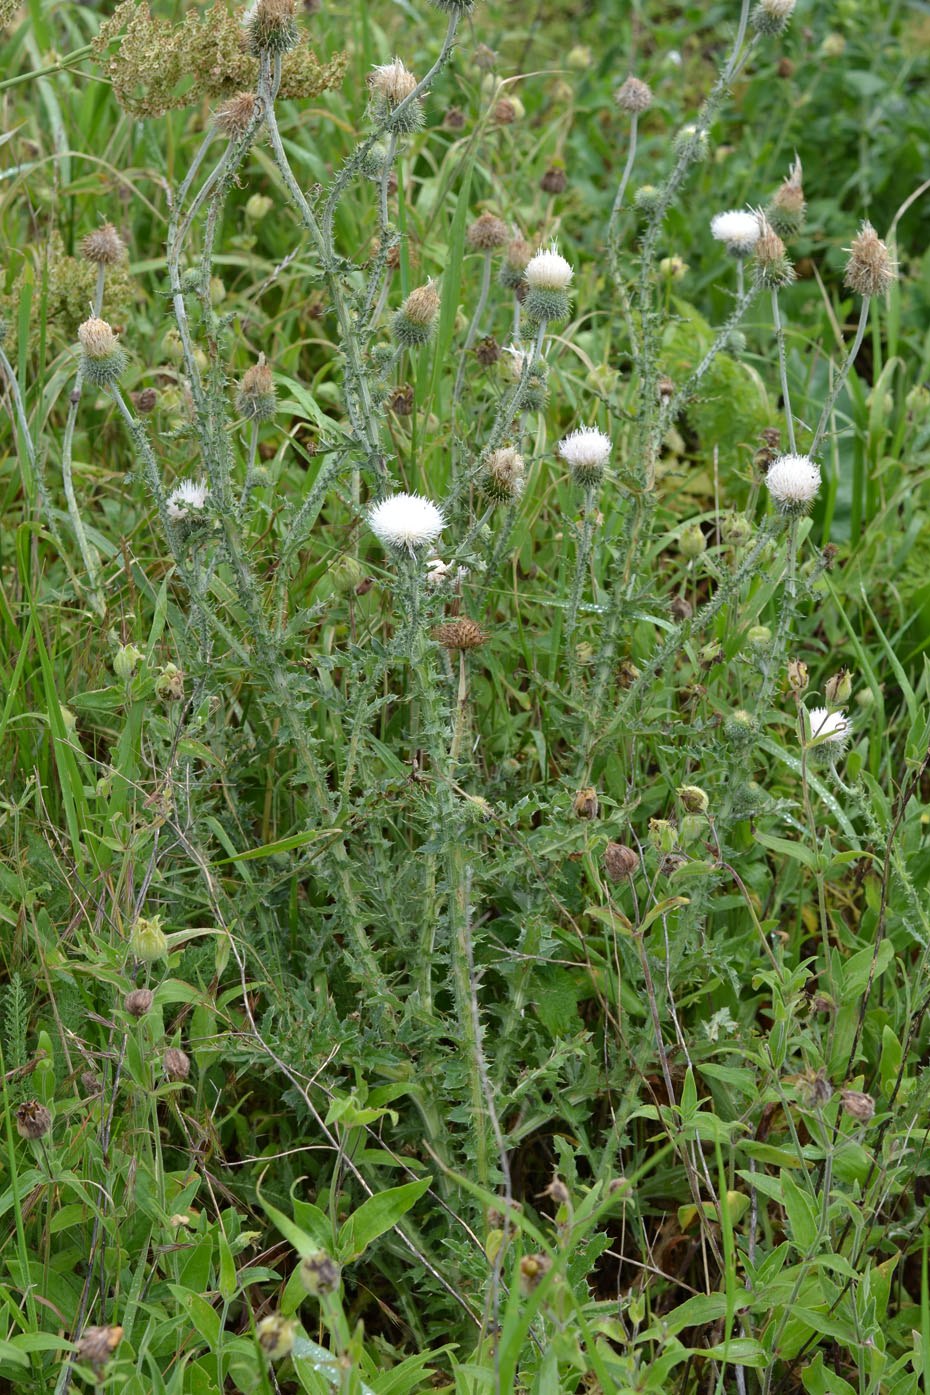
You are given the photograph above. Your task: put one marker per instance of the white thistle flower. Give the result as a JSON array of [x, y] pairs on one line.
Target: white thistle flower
[[831, 729], [548, 270], [793, 482], [405, 522], [585, 449], [189, 496], [738, 230]]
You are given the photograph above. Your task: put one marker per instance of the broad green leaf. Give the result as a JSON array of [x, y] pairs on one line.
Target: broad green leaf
[[378, 1214]]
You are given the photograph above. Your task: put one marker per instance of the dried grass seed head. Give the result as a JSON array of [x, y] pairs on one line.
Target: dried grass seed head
[[871, 268], [633, 96], [104, 246], [406, 522]]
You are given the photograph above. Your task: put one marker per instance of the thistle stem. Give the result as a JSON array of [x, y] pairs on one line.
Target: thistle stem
[[783, 370], [841, 377]]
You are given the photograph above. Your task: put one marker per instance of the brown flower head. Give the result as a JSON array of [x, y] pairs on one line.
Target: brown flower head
[[33, 1120], [234, 116], [462, 633], [103, 246], [620, 861], [634, 96], [138, 1001], [487, 233], [857, 1105], [392, 81], [870, 269], [177, 1064]]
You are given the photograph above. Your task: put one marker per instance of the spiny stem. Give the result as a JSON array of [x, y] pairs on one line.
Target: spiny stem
[[783, 370]]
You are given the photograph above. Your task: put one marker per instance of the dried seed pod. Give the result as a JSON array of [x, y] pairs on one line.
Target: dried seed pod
[[487, 233], [138, 1001], [460, 634], [858, 1105], [634, 96], [33, 1120], [585, 805], [103, 246], [177, 1064], [97, 1344]]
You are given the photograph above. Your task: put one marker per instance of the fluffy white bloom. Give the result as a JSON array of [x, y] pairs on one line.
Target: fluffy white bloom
[[587, 448], [406, 521], [793, 482], [830, 728], [548, 270], [737, 229], [189, 496]]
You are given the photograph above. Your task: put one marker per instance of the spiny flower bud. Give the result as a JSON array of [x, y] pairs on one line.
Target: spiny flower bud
[[692, 542], [858, 1105], [838, 689], [147, 940], [276, 1335], [319, 1274], [255, 399], [234, 118], [740, 728], [271, 27], [138, 1001], [103, 246], [633, 96], [554, 181], [693, 798], [103, 361], [772, 267], [461, 633], [771, 16], [673, 268], [646, 199], [33, 1120], [620, 862], [391, 84], [415, 321], [585, 805], [735, 529], [487, 233], [177, 1064], [97, 1344], [870, 269], [793, 481], [516, 257], [758, 636], [787, 210], [692, 141], [503, 477], [256, 206]]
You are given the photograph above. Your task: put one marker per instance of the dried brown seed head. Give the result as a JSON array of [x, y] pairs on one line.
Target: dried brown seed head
[[392, 81], [234, 117], [33, 1120], [487, 233], [858, 1105], [103, 246], [97, 1344], [870, 269], [138, 1001], [177, 1064], [634, 96], [487, 351], [554, 181], [620, 862], [462, 633]]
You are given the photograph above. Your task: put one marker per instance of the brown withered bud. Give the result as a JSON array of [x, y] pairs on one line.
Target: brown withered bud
[[144, 401], [829, 554], [816, 1090], [665, 387], [620, 862], [138, 1001], [487, 233], [319, 1274], [401, 401], [234, 116], [487, 351], [533, 1269], [634, 96], [460, 634], [177, 1064], [504, 111], [771, 436], [870, 269], [33, 1120], [554, 181], [392, 185], [97, 1344], [785, 68], [454, 119], [585, 803], [90, 1082], [670, 862], [857, 1105], [103, 246], [557, 1191], [627, 674], [681, 609]]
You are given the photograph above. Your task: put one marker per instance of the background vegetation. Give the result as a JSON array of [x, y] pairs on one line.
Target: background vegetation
[[528, 1126]]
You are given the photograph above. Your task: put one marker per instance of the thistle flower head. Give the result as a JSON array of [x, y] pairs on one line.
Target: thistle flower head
[[487, 233], [548, 270], [187, 498], [772, 266], [103, 246], [503, 477], [103, 360], [633, 96], [586, 451], [406, 522], [737, 229], [392, 81], [771, 16], [828, 729], [787, 210], [793, 482], [413, 324], [870, 269], [255, 399], [271, 27], [461, 633]]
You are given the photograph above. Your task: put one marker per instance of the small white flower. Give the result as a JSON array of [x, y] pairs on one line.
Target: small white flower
[[587, 448], [793, 482], [548, 270], [189, 495], [406, 521], [738, 229], [831, 729]]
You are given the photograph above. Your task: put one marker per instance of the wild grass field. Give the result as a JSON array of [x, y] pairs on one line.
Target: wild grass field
[[464, 721]]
